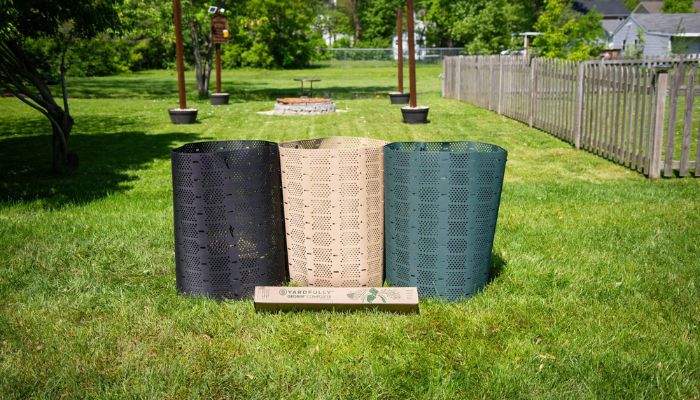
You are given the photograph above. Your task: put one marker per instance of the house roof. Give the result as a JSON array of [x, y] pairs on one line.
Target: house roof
[[609, 8], [671, 24], [654, 7], [610, 25]]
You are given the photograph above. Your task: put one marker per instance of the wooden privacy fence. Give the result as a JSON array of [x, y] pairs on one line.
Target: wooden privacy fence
[[639, 113]]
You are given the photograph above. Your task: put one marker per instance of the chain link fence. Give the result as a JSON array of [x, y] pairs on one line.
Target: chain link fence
[[423, 54]]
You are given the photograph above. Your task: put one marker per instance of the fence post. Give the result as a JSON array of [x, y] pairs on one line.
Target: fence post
[[500, 85], [578, 106], [444, 76], [678, 78], [490, 86], [459, 78], [657, 139], [533, 92]]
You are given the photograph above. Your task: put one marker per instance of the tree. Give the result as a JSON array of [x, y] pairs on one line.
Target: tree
[[20, 70], [198, 20], [481, 26], [333, 22], [439, 21], [274, 34], [148, 33], [678, 6], [486, 26], [355, 12], [378, 21], [568, 34]]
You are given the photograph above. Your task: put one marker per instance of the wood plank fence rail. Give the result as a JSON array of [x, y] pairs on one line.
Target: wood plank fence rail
[[638, 113]]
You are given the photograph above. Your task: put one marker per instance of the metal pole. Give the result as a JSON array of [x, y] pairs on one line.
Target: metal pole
[[411, 55], [218, 68], [179, 54], [399, 44]]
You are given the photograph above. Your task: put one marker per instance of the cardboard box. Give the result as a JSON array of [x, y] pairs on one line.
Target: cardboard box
[[403, 300]]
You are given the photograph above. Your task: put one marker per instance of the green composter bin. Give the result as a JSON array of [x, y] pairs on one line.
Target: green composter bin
[[441, 205]]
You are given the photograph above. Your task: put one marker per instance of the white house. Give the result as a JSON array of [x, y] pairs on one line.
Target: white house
[[418, 40], [651, 35]]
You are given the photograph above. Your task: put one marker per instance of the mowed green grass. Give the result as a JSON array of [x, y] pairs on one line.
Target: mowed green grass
[[597, 293]]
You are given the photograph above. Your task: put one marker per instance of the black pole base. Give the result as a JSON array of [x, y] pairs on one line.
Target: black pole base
[[219, 99], [399, 98], [418, 115], [183, 116]]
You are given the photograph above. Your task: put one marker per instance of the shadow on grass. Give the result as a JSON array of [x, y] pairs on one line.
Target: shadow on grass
[[105, 164], [119, 88], [241, 94], [497, 266]]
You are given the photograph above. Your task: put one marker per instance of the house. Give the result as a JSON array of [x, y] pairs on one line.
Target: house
[[654, 7], [610, 9], [651, 35], [613, 13]]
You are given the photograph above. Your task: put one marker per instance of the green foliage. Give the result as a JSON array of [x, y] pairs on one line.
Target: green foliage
[[567, 34], [343, 42], [378, 20], [46, 18], [148, 34], [439, 20], [45, 27], [482, 26], [332, 21], [678, 6], [274, 34], [374, 43], [485, 26]]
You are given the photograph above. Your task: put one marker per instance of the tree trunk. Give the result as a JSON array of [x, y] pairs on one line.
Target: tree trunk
[[64, 159], [356, 22], [202, 58]]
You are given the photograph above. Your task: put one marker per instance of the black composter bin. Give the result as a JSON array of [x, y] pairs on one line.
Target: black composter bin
[[229, 225]]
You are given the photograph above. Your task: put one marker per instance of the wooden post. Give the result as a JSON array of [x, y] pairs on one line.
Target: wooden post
[[490, 87], [526, 53], [411, 55], [657, 139], [399, 45], [179, 54], [678, 75], [533, 92], [458, 80], [500, 85], [218, 68], [688, 121]]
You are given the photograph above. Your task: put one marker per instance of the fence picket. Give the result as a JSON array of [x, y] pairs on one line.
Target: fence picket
[[678, 73], [600, 128], [612, 108], [688, 121]]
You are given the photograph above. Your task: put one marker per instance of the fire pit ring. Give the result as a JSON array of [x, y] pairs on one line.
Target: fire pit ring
[[304, 106]]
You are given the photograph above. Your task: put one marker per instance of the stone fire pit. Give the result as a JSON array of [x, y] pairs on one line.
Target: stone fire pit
[[303, 106]]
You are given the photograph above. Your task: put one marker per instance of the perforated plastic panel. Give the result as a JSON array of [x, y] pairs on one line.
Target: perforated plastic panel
[[334, 213], [229, 227], [441, 206]]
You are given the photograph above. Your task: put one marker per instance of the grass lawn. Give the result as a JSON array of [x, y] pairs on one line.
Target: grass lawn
[[597, 292]]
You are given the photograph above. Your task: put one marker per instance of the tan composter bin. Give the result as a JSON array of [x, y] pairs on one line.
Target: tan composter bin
[[333, 191]]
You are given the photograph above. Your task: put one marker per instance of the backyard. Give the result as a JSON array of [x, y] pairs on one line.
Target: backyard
[[596, 269]]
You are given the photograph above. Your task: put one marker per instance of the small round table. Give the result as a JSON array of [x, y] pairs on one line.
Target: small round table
[[311, 85]]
